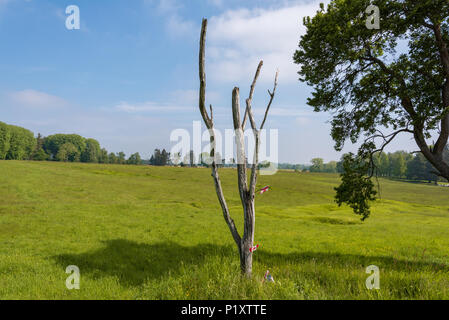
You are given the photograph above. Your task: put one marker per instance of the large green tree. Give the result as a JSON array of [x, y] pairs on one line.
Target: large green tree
[[5, 140], [160, 158], [53, 143], [22, 144], [68, 152], [379, 83], [398, 165], [135, 159], [317, 165], [103, 158], [92, 151], [112, 158], [121, 157], [39, 153]]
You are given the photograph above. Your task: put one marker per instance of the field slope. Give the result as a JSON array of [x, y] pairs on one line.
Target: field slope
[[140, 232]]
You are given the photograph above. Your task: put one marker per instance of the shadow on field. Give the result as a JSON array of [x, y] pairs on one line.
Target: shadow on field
[[353, 261], [134, 263]]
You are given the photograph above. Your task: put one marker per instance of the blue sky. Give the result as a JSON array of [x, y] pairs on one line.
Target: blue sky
[[129, 76]]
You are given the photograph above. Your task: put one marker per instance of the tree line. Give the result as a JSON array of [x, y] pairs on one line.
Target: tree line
[[399, 165], [18, 143]]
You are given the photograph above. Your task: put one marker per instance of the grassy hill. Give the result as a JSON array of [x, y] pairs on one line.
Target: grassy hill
[[139, 232]]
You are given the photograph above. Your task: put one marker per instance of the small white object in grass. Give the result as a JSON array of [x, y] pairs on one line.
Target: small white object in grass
[[268, 277]]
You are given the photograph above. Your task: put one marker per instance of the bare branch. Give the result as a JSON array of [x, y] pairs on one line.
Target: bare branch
[[390, 138], [211, 114], [224, 206], [387, 139], [253, 179], [271, 99], [251, 92], [202, 74], [209, 124], [240, 145]]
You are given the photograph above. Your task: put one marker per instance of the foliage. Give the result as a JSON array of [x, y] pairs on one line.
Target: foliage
[[54, 142], [340, 59], [39, 153], [317, 165], [359, 75], [5, 140], [356, 188], [21, 145], [135, 159], [103, 157], [68, 152], [17, 143], [420, 169], [121, 157], [91, 151], [160, 158], [112, 158]]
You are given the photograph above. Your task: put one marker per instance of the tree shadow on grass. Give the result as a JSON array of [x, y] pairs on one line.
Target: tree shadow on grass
[[352, 261], [134, 263]]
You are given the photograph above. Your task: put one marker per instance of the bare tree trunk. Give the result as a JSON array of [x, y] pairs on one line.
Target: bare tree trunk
[[246, 258], [247, 195]]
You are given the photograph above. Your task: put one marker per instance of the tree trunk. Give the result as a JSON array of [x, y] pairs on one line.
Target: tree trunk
[[246, 259], [436, 159], [247, 242]]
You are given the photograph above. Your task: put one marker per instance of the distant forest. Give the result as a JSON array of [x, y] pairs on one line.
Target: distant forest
[[399, 165], [18, 143]]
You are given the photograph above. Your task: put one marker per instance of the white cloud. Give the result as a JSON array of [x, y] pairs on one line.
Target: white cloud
[[179, 27], [36, 100], [287, 112], [175, 24], [179, 101], [149, 107], [302, 120], [190, 97], [239, 39], [217, 3], [167, 6]]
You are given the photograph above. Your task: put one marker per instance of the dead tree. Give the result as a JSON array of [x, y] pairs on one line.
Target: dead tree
[[247, 193]]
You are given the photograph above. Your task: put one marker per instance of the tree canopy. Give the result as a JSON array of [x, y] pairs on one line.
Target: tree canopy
[[16, 143], [379, 83], [68, 152], [54, 142]]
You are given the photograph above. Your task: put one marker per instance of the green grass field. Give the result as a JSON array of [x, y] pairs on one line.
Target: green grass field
[[139, 232]]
